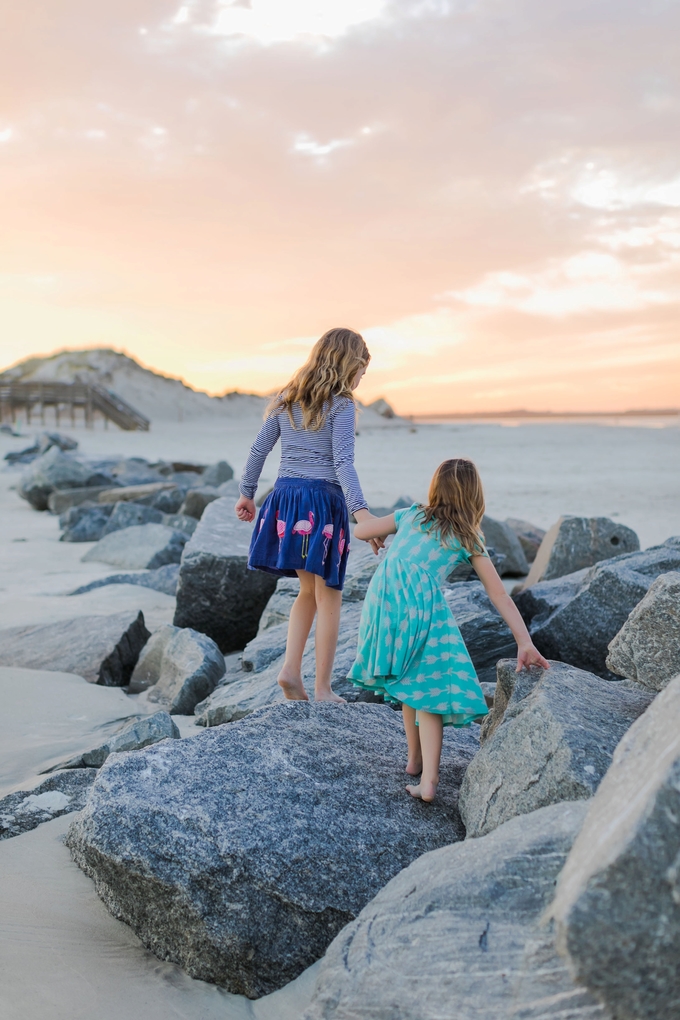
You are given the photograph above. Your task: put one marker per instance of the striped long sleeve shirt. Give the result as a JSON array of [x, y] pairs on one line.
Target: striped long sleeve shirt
[[326, 454]]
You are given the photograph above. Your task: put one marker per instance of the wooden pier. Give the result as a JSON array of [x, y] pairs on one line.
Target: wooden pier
[[72, 401]]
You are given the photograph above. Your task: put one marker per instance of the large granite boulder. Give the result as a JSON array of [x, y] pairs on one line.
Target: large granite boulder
[[126, 515], [217, 474], [458, 935], [84, 523], [266, 648], [504, 541], [362, 564], [163, 579], [148, 669], [647, 648], [241, 853], [530, 536], [143, 546], [217, 594], [191, 667], [61, 500], [196, 500], [487, 637], [577, 542], [57, 795], [168, 501], [280, 603], [102, 649], [580, 628], [56, 470], [550, 736], [135, 734], [617, 904], [43, 442]]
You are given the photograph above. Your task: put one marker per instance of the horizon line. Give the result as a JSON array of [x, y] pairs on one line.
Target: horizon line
[[524, 413]]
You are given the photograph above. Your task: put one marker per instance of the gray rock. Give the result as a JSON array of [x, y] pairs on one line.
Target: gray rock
[[577, 542], [278, 607], [163, 579], [191, 667], [505, 542], [362, 564], [84, 523], [196, 500], [148, 669], [265, 648], [62, 500], [134, 735], [55, 470], [217, 594], [180, 522], [647, 648], [102, 649], [230, 489], [549, 737], [242, 852], [59, 794], [143, 546], [617, 904], [168, 501], [217, 474], [541, 600], [126, 515], [44, 441], [487, 637], [530, 536], [580, 629], [135, 471], [458, 936]]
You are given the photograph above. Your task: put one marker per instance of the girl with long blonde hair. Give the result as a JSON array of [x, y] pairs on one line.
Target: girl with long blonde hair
[[410, 647], [302, 528]]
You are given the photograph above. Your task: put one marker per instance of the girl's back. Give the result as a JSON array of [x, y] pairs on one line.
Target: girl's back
[[422, 547]]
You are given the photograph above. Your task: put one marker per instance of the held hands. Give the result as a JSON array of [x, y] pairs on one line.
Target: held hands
[[376, 544], [245, 509], [528, 655]]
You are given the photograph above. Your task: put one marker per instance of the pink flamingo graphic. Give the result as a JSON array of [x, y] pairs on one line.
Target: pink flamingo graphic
[[304, 528], [327, 533], [341, 544], [280, 529], [264, 518]]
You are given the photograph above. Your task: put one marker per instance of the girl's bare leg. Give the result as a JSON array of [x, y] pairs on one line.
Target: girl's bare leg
[[299, 626], [431, 733], [328, 603], [414, 766]]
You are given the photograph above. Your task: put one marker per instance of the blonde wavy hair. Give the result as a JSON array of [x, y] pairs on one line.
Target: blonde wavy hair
[[329, 372], [455, 504]]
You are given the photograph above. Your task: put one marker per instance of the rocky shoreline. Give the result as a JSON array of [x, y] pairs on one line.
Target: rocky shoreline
[[243, 838]]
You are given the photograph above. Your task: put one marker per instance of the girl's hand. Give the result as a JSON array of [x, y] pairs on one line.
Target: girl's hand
[[529, 655], [245, 509]]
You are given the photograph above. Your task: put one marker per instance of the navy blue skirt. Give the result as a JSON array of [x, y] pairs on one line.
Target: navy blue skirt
[[303, 524]]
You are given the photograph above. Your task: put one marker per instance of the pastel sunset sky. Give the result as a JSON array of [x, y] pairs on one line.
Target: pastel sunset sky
[[488, 190]]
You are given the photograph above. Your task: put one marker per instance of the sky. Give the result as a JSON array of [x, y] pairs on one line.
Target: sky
[[488, 190]]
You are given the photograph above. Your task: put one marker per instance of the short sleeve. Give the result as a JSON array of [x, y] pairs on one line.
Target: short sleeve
[[399, 515]]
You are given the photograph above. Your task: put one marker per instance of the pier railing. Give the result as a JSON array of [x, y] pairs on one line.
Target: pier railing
[[32, 398]]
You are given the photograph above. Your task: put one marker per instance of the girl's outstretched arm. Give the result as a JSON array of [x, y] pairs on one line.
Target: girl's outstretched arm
[[370, 527], [527, 653]]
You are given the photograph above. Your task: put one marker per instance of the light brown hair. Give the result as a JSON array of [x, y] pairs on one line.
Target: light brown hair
[[328, 372], [455, 504]]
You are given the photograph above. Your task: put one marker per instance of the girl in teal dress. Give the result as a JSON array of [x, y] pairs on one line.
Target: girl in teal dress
[[410, 647]]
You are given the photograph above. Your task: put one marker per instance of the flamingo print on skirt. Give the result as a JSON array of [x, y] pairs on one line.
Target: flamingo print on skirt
[[280, 529], [304, 528], [327, 532], [341, 544]]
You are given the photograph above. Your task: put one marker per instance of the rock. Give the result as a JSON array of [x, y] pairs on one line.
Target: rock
[[577, 542], [230, 489], [280, 604], [180, 522], [541, 600], [62, 500], [102, 649], [242, 852], [647, 648], [55, 470], [84, 523], [549, 737], [529, 535], [217, 594], [617, 904], [135, 471], [505, 542], [127, 515], [362, 564], [135, 735], [265, 648], [60, 794], [163, 579], [168, 501], [44, 441], [191, 667], [580, 629], [217, 474], [196, 500], [134, 492], [458, 936], [143, 546], [487, 637], [148, 669]]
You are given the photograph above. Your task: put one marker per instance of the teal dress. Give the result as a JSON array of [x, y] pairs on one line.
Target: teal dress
[[410, 646]]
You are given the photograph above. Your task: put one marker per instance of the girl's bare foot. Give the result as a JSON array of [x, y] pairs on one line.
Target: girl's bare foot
[[329, 695], [414, 767], [423, 791], [292, 686]]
